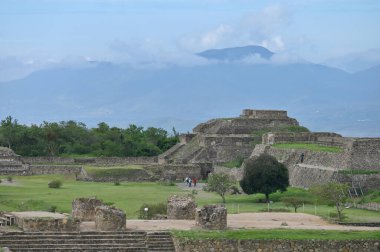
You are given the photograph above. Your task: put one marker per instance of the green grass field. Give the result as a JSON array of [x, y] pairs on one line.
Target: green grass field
[[288, 234], [32, 193], [309, 146]]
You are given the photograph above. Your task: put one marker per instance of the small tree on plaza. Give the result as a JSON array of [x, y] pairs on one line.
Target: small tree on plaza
[[219, 183], [264, 175], [334, 194]]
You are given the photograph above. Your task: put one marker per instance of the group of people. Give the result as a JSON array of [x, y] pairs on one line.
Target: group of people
[[189, 181]]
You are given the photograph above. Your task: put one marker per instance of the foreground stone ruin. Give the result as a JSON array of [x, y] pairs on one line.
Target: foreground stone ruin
[[181, 207], [45, 222], [109, 219], [84, 208], [212, 217]]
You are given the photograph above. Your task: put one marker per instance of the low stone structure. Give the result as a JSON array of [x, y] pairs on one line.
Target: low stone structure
[[84, 208], [181, 207], [45, 222], [10, 163], [225, 245], [213, 217], [109, 219]]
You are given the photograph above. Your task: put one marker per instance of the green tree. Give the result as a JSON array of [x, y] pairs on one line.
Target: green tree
[[219, 183], [294, 201], [264, 175], [334, 194], [8, 131]]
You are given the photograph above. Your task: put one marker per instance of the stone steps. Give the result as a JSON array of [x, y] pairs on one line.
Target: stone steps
[[160, 242], [81, 241]]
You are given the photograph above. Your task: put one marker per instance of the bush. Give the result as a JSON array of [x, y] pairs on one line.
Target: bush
[[52, 209], [116, 183], [55, 184], [9, 179], [167, 183], [153, 209]]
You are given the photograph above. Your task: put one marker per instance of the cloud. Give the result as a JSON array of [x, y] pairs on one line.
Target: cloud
[[258, 28], [357, 61], [151, 53]]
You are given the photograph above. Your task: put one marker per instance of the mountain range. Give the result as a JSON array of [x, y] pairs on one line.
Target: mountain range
[[322, 98]]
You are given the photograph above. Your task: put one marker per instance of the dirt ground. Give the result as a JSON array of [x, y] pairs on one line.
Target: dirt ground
[[243, 220]]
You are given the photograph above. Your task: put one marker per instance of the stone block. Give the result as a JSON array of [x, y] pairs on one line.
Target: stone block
[[84, 208], [212, 217], [109, 219], [181, 207]]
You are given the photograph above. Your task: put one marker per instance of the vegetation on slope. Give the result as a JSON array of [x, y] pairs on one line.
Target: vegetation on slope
[[72, 138]]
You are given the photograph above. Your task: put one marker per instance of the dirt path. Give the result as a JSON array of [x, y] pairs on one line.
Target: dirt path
[[239, 221]]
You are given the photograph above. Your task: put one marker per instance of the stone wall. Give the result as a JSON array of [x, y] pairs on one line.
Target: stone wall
[[365, 154], [323, 138], [225, 245], [264, 114], [100, 161], [181, 207], [54, 169], [109, 219], [211, 217], [47, 224], [84, 208], [178, 171]]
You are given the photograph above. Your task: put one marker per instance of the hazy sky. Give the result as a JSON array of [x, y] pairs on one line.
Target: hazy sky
[[36, 33]]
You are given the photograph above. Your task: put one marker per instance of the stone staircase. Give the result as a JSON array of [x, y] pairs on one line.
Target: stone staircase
[[160, 242], [128, 241]]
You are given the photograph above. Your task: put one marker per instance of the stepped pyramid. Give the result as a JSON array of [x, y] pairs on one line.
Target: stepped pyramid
[[225, 139]]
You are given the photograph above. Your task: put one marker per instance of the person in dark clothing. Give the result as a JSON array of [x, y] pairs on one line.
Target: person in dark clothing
[[195, 182], [302, 157]]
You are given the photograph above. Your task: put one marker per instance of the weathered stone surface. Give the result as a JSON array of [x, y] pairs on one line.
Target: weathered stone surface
[[213, 217], [84, 208], [109, 219], [181, 207], [38, 221], [225, 245]]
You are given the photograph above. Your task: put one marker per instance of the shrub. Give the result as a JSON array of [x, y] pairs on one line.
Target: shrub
[[9, 179], [55, 184], [116, 183], [167, 183], [52, 209], [153, 209]]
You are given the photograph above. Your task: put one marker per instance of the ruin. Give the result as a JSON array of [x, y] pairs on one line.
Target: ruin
[[221, 140], [181, 207], [109, 219], [357, 162], [212, 217], [217, 141], [37, 221], [84, 208], [10, 162]]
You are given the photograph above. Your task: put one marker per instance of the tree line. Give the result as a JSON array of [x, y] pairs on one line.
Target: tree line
[[71, 138]]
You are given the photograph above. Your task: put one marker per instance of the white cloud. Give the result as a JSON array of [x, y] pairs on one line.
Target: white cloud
[[255, 28]]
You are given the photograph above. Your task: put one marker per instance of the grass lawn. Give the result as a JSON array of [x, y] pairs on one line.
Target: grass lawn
[[32, 193], [309, 146], [288, 234]]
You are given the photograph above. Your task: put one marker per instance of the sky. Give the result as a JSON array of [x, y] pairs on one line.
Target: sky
[[35, 34]]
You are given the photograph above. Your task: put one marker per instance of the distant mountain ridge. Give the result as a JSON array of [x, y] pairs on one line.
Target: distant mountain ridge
[[321, 97], [236, 53]]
